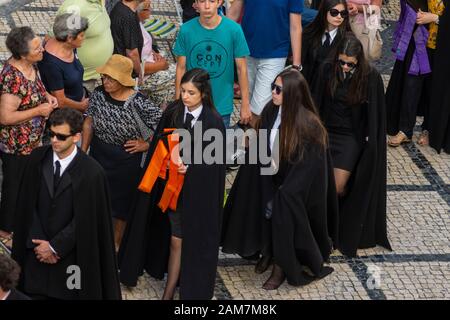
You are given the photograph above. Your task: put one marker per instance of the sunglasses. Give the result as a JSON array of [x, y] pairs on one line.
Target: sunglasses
[[351, 65], [278, 89], [335, 12], [60, 136]]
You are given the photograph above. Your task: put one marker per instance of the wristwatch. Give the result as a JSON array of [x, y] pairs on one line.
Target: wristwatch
[[298, 67]]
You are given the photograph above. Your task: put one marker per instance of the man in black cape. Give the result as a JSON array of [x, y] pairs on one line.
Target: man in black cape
[[440, 96], [63, 240], [302, 228], [362, 211], [146, 241]]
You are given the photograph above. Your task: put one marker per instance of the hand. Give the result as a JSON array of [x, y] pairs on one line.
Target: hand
[[85, 103], [182, 169], [42, 251], [53, 259], [52, 101], [426, 17], [134, 146], [164, 62], [245, 114], [352, 9], [45, 109]]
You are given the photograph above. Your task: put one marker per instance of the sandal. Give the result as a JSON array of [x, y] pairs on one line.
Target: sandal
[[423, 138], [398, 139]]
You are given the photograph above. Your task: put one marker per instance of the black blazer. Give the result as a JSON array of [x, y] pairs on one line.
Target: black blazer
[[17, 295]]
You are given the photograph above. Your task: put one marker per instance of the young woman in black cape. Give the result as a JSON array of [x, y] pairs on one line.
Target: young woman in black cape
[[439, 124], [350, 96], [290, 215], [184, 243], [323, 35]]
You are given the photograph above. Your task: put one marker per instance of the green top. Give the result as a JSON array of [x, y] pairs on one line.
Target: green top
[[215, 51], [98, 45]]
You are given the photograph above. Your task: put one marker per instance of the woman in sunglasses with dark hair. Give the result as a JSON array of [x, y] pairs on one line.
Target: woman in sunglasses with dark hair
[[288, 214], [323, 35], [350, 96]]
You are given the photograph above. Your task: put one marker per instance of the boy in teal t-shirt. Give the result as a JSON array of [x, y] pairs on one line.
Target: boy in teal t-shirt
[[214, 43]]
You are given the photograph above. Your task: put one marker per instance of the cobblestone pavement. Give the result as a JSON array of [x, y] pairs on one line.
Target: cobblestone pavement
[[418, 207]]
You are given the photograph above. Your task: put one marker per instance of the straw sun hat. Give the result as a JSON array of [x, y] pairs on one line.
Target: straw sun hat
[[119, 68]]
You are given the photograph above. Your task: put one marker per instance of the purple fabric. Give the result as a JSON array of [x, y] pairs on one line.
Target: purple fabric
[[402, 37]]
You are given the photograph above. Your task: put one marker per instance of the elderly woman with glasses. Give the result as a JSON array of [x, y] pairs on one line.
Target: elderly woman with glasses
[[118, 129], [350, 96], [60, 69], [24, 106]]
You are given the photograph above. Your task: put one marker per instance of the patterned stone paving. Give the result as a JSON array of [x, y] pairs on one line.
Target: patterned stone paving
[[418, 206]]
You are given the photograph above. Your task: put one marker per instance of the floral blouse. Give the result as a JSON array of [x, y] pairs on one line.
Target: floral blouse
[[21, 139], [436, 7]]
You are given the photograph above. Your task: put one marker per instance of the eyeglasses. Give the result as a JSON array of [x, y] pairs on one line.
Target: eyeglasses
[[278, 89], [351, 65], [108, 78], [60, 136], [335, 12]]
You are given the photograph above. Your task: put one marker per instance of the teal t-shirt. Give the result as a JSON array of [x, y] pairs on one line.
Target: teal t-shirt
[[214, 50]]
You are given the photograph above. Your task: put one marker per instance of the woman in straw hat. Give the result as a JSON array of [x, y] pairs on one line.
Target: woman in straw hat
[[118, 129]]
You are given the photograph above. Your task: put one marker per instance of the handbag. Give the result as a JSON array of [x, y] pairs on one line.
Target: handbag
[[369, 32]]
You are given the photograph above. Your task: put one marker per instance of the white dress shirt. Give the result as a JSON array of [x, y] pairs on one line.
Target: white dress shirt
[[275, 129], [196, 113], [6, 295], [64, 162], [332, 33]]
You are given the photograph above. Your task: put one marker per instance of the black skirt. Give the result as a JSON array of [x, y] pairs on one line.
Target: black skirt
[[345, 149], [123, 173]]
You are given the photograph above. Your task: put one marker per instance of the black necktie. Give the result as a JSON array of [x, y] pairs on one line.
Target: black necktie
[[188, 121], [327, 42], [57, 174]]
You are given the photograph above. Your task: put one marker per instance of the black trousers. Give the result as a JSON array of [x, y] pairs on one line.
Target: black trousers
[[13, 167], [416, 99]]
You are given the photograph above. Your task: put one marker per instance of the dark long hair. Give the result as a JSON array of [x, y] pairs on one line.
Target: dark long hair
[[351, 47], [315, 30], [300, 123], [200, 79]]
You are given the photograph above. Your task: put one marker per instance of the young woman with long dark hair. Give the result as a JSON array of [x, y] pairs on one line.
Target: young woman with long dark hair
[[323, 35], [350, 96], [182, 241], [290, 215]]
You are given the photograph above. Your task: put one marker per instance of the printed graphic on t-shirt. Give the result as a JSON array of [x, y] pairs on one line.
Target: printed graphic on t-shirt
[[211, 56]]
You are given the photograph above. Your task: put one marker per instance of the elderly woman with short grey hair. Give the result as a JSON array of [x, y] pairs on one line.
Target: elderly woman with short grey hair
[[60, 69], [24, 105]]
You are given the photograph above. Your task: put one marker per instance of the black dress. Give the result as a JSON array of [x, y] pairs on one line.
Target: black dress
[[337, 115]]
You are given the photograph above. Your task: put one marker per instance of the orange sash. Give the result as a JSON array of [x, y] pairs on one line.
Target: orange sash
[[161, 159]]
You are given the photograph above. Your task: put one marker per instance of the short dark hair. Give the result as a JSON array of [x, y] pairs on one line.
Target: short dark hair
[[18, 40], [9, 273], [72, 117]]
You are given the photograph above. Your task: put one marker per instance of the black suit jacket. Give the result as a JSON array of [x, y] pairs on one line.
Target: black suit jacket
[[17, 295]]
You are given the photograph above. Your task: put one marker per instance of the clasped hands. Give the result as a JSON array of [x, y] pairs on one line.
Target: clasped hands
[[44, 253]]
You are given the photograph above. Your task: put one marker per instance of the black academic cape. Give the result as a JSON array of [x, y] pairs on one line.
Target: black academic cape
[[362, 211], [304, 217], [439, 112], [314, 56], [95, 254], [146, 241]]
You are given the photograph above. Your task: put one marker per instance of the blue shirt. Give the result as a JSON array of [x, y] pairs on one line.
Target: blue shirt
[[57, 74], [266, 26], [214, 50]]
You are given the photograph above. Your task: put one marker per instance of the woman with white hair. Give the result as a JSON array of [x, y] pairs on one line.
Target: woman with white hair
[[60, 69]]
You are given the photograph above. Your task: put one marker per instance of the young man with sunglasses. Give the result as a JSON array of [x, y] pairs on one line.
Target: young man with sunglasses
[[63, 239]]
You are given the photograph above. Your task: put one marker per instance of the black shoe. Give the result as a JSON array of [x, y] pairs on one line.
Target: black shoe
[[263, 264]]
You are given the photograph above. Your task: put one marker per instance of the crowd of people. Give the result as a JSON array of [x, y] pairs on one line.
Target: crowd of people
[[97, 189]]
